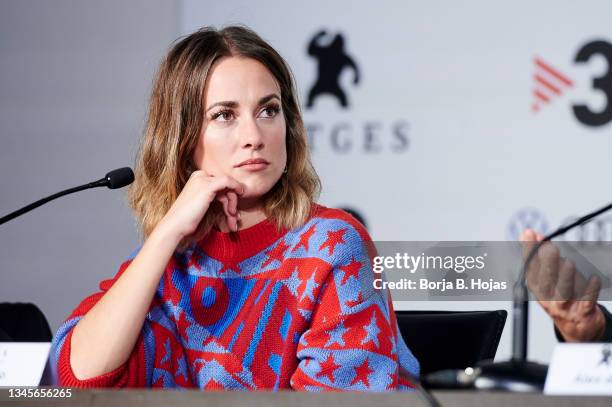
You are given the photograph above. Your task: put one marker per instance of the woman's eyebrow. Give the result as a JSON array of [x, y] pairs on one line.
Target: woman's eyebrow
[[225, 104], [268, 98], [233, 105]]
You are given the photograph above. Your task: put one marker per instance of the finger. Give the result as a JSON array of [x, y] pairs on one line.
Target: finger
[[230, 218], [549, 270], [546, 305], [528, 235], [528, 241], [233, 202], [222, 197], [220, 183], [591, 293], [532, 284], [580, 285], [565, 283], [532, 277], [232, 223]]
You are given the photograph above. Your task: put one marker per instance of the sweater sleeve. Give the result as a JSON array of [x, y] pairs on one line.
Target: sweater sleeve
[[131, 374], [353, 342]]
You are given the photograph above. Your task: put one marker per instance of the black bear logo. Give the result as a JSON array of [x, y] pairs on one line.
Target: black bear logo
[[332, 60]]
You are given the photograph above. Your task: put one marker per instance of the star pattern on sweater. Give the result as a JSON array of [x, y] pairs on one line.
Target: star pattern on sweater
[[304, 239], [362, 372], [276, 253], [311, 284], [351, 269], [333, 238], [328, 368], [372, 331], [230, 265], [182, 367], [194, 261], [352, 303], [335, 335], [293, 282]]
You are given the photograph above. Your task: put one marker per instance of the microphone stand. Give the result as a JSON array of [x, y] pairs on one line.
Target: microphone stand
[[114, 179], [519, 374]]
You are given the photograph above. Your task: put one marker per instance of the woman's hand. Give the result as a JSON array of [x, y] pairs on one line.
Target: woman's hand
[[199, 192], [564, 294]]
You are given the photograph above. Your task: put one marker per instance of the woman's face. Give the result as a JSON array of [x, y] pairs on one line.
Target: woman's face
[[243, 132]]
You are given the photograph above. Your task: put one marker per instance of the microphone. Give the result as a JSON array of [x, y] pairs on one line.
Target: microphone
[[114, 179], [118, 178]]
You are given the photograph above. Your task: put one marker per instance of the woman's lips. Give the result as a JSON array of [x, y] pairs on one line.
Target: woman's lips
[[256, 164]]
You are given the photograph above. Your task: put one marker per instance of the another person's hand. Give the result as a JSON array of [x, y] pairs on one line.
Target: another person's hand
[[564, 294], [193, 202]]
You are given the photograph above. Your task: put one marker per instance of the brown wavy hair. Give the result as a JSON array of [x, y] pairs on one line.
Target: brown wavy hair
[[175, 117]]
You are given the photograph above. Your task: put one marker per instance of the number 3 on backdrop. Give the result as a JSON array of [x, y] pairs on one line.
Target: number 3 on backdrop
[[603, 83]]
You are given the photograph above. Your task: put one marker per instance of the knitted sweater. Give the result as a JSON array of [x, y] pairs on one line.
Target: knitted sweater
[[263, 309]]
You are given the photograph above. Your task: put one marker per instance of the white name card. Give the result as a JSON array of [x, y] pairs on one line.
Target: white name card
[[22, 363], [580, 369]]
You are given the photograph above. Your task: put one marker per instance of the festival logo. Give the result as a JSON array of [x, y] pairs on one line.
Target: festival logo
[[550, 83], [332, 59], [340, 129]]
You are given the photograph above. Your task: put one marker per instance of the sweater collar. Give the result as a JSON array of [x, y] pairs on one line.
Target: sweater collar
[[242, 244]]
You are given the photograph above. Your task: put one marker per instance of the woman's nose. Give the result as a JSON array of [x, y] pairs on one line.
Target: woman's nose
[[251, 136]]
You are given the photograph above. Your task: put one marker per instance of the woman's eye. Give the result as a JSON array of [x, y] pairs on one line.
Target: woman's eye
[[270, 111], [223, 116]]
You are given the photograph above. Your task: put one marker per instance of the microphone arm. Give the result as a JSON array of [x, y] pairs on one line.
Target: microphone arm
[[114, 179]]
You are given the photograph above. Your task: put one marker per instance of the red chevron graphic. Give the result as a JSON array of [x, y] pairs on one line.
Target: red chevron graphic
[[549, 83]]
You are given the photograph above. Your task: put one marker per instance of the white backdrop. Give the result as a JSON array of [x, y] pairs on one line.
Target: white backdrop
[[474, 160]]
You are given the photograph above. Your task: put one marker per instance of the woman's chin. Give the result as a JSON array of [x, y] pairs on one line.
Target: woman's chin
[[255, 190]]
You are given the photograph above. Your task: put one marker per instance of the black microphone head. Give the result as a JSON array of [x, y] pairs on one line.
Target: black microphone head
[[119, 178]]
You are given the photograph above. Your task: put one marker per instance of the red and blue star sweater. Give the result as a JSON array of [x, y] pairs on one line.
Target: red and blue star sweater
[[263, 309]]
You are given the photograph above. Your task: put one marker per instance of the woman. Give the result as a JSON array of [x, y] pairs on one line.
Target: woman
[[243, 282]]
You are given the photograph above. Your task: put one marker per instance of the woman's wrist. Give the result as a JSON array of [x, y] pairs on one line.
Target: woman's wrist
[[164, 234]]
